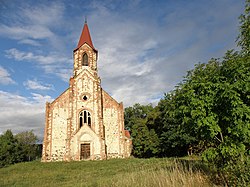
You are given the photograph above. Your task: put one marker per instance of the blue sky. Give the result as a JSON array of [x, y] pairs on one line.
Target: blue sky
[[145, 48]]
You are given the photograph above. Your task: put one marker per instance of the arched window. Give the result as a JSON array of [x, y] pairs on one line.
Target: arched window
[[84, 118], [85, 59]]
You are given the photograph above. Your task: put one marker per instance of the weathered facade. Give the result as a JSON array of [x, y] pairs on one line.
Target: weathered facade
[[85, 122]]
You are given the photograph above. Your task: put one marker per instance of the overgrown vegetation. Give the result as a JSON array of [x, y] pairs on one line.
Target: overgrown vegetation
[[115, 172], [208, 113]]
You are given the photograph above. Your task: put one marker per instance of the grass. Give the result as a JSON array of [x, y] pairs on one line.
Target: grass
[[114, 172]]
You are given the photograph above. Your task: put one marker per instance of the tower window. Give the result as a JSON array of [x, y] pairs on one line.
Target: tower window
[[84, 118], [85, 59]]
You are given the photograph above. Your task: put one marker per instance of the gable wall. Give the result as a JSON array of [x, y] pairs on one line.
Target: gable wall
[[56, 131], [114, 125]]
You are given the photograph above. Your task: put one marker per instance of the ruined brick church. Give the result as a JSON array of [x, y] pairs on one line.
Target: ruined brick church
[[85, 122]]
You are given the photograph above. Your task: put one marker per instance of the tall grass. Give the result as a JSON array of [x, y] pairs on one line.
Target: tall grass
[[174, 176], [116, 172]]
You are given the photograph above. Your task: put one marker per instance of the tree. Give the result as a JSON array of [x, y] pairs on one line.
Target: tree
[[28, 142], [231, 148], [174, 140], [139, 120], [19, 148], [244, 36], [10, 150], [211, 107]]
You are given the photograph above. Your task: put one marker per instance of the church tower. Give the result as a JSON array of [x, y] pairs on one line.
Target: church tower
[[85, 122]]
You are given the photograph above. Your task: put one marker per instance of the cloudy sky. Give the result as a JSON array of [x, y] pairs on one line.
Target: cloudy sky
[[145, 48]]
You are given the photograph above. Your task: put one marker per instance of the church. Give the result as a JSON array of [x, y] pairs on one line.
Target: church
[[85, 122]]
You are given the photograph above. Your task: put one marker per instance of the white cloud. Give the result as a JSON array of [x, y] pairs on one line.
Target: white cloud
[[19, 113], [40, 99], [43, 14], [141, 60], [30, 42], [29, 24], [5, 78], [54, 63], [29, 56], [64, 73], [141, 56], [37, 85], [25, 32]]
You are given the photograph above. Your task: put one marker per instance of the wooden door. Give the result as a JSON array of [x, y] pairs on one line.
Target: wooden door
[[85, 151]]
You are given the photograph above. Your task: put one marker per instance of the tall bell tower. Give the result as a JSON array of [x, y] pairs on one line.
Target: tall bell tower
[[86, 96], [85, 55]]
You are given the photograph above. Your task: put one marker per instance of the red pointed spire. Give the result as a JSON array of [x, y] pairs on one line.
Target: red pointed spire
[[85, 37]]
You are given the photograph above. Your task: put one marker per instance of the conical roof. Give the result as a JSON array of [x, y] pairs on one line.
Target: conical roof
[[85, 38]]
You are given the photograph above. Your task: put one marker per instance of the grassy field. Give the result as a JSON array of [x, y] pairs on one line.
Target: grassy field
[[115, 172]]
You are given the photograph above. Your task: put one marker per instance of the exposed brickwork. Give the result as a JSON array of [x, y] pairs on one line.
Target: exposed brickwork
[[102, 133]]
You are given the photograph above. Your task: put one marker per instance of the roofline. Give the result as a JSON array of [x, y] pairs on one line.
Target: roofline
[[88, 45], [59, 96]]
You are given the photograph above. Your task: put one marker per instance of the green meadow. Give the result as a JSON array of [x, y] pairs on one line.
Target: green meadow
[[115, 172]]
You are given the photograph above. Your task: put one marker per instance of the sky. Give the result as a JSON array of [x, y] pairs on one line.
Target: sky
[[144, 49]]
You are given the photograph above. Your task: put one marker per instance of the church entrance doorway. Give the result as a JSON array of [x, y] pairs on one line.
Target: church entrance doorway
[[85, 151]]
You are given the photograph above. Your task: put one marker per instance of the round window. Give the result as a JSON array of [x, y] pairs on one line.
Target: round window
[[85, 98]]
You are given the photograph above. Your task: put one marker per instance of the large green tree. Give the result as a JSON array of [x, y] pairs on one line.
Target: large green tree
[[139, 119], [174, 140], [27, 141], [19, 148], [10, 150], [210, 112]]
